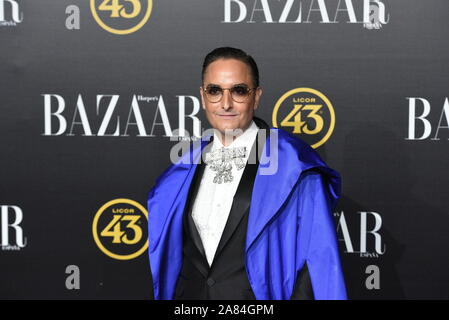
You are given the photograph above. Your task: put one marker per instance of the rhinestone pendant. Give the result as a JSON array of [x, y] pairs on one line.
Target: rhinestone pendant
[[221, 160]]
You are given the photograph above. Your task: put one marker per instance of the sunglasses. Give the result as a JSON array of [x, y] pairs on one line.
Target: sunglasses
[[239, 93]]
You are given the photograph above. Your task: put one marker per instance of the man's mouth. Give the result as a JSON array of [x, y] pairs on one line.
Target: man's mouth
[[227, 115]]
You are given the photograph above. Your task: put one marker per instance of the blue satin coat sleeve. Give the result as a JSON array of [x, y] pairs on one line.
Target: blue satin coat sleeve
[[317, 238]]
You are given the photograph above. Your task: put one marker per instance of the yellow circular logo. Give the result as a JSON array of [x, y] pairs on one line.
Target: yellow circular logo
[[121, 16], [120, 229], [307, 112]]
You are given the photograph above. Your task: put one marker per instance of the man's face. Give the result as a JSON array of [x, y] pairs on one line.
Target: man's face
[[228, 114]]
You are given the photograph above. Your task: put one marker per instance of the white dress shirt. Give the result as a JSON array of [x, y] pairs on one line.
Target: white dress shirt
[[214, 200]]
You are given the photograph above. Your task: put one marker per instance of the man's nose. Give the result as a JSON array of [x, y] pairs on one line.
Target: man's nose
[[227, 100]]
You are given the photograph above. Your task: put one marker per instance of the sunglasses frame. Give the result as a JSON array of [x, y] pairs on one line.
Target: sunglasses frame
[[223, 89]]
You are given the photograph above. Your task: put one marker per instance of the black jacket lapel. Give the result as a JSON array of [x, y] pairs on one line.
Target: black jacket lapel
[[198, 256], [240, 205], [242, 197]]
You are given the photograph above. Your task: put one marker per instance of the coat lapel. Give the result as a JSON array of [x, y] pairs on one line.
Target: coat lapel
[[241, 202], [196, 254]]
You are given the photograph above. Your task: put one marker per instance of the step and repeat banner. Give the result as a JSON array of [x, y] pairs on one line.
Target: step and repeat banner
[[94, 93]]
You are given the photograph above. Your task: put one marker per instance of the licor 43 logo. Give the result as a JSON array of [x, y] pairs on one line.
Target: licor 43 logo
[[121, 16], [120, 229], [306, 112]]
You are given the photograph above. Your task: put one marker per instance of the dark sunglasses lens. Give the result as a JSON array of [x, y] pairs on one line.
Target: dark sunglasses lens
[[239, 92], [214, 91]]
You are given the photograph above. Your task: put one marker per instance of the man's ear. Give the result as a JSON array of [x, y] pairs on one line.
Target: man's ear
[[202, 98], [257, 97]]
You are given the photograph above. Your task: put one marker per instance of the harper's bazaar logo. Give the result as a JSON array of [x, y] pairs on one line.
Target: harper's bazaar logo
[[306, 112], [11, 231], [121, 16], [370, 224], [10, 14], [113, 116], [426, 121], [120, 229], [371, 13]]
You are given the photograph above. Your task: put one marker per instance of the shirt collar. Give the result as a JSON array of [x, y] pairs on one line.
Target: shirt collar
[[246, 139]]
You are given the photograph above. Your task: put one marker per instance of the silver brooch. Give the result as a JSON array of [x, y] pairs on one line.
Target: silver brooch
[[221, 160]]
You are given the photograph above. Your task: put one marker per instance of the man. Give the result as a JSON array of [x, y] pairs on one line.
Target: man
[[233, 227]]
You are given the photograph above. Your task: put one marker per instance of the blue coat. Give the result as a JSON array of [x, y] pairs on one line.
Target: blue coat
[[290, 222]]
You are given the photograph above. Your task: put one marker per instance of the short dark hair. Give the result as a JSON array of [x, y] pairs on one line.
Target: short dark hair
[[231, 53]]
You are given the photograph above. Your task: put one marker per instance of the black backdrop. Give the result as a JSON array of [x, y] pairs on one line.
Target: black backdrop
[[87, 114]]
